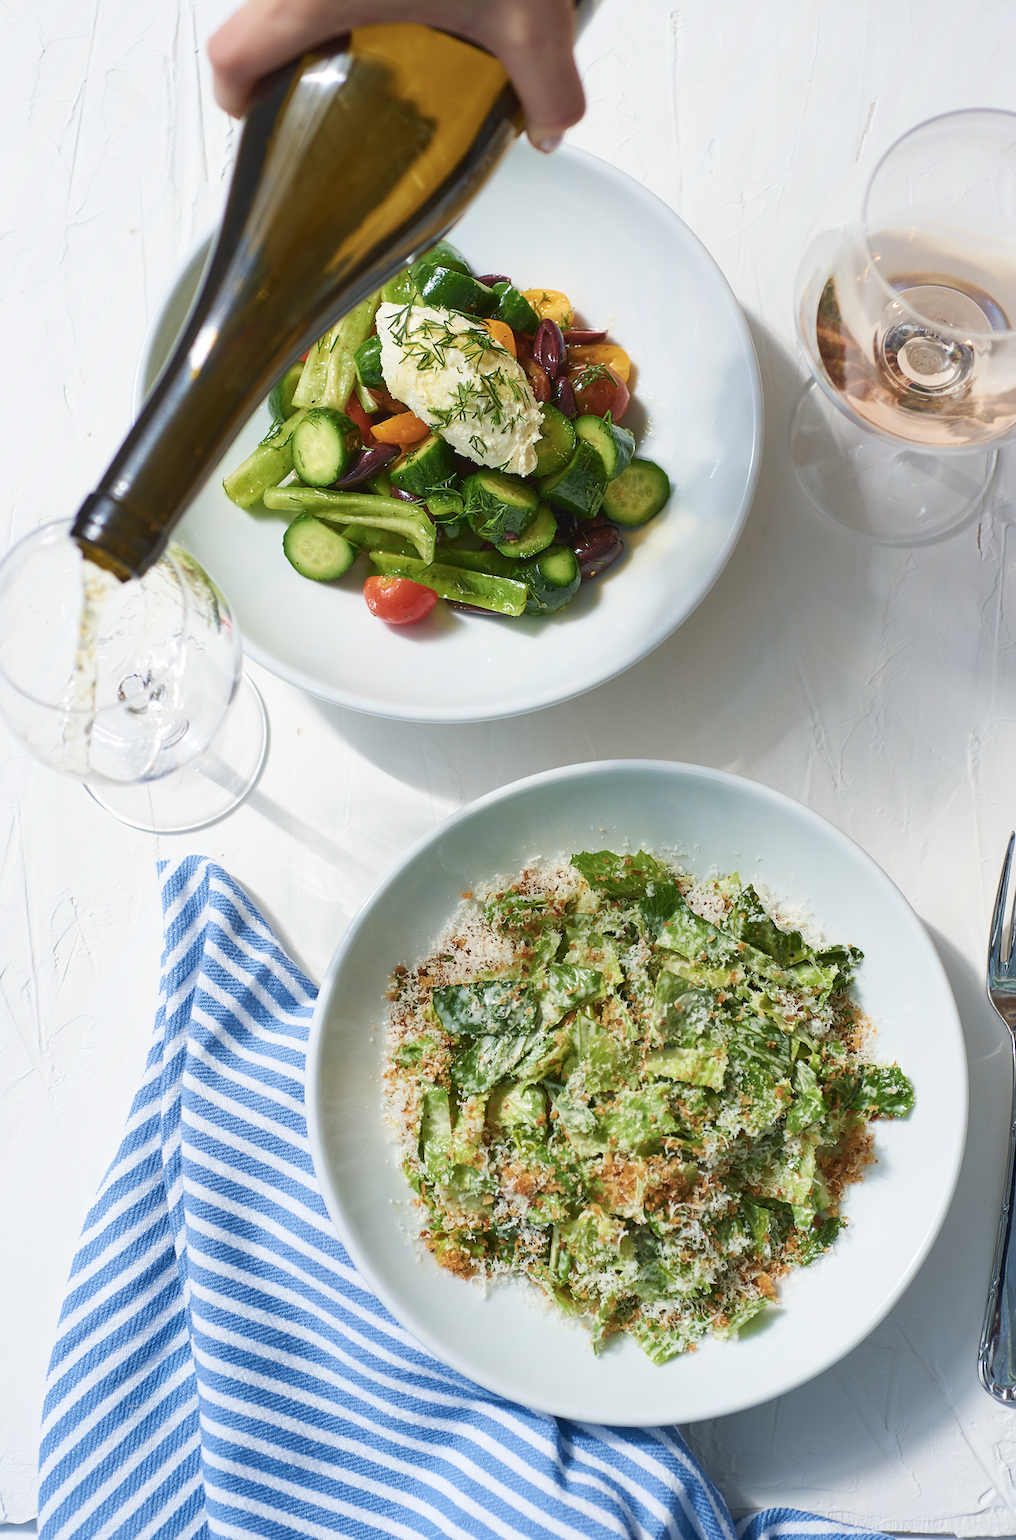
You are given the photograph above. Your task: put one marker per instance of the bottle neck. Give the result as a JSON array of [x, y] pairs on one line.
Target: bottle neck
[[352, 163]]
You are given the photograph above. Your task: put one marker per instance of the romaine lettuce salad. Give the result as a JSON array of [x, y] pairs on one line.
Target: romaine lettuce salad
[[635, 1089]]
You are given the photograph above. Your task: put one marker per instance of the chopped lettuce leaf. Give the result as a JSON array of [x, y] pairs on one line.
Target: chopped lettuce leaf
[[819, 1238], [620, 876], [704, 1064], [562, 987], [884, 1093], [490, 1005], [435, 1137], [639, 1117], [748, 921], [489, 1060], [809, 1104], [511, 912]]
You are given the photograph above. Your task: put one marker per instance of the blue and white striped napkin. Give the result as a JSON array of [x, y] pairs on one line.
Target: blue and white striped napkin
[[221, 1370]]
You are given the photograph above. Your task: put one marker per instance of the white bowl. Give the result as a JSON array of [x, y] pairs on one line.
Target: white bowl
[[568, 222], [716, 822]]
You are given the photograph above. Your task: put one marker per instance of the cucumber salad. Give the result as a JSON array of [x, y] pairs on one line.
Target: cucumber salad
[[462, 435], [635, 1089]]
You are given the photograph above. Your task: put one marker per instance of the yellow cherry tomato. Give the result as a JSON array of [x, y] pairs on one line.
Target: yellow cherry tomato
[[551, 305], [606, 353], [502, 333]]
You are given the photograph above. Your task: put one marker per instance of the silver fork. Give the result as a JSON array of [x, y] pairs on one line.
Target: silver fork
[[996, 1359]]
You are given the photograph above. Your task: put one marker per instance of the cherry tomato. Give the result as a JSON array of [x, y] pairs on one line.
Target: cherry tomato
[[598, 389], [356, 413], [398, 600]]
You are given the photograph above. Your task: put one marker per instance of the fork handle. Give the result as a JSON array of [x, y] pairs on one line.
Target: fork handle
[[996, 1359]]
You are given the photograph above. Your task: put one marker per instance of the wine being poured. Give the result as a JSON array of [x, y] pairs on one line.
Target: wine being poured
[[351, 162], [125, 685], [908, 324]]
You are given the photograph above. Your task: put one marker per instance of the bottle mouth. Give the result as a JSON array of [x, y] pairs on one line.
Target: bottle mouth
[[116, 537]]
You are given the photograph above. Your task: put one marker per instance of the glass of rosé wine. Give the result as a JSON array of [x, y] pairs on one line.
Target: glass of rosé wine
[[908, 321]]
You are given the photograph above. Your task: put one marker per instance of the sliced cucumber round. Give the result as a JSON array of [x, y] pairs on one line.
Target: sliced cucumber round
[[453, 290], [615, 446], [498, 503], [444, 254], [553, 578], [638, 494], [401, 290], [367, 362], [445, 507], [579, 486], [556, 444], [540, 532], [316, 551], [325, 445], [427, 467], [280, 402], [515, 310]]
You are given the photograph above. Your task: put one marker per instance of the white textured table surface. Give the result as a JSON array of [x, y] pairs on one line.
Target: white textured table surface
[[877, 686]]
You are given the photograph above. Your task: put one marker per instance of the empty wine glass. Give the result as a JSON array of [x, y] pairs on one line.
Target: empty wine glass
[[908, 321], [125, 686]]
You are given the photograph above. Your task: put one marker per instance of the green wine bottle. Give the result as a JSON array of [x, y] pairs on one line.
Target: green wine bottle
[[352, 162]]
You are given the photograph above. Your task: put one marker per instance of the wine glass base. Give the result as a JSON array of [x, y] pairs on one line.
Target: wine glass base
[[209, 787], [891, 493]]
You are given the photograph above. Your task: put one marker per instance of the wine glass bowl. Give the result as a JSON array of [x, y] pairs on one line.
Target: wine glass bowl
[[123, 686], [908, 321]]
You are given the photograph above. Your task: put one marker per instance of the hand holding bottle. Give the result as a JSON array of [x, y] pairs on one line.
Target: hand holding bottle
[[532, 38], [344, 173]]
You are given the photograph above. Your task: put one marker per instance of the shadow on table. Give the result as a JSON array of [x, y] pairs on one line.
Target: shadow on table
[[722, 689], [898, 1414]]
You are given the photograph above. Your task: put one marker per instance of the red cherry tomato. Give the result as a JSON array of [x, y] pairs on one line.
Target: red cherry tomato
[[398, 600], [599, 390], [356, 413]]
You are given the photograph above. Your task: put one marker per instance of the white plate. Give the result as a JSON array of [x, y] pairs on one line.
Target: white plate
[[628, 263], [719, 822]]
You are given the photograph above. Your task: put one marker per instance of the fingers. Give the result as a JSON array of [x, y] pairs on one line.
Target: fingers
[[534, 42], [262, 35], [532, 38]]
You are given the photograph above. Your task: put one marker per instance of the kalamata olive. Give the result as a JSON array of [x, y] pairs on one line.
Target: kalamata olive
[[548, 347], [468, 609], [405, 497], [490, 279], [367, 464], [564, 397], [601, 546], [568, 526], [581, 338], [539, 379], [523, 345]]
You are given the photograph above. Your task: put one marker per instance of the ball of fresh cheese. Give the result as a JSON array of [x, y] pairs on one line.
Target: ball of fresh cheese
[[448, 369]]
